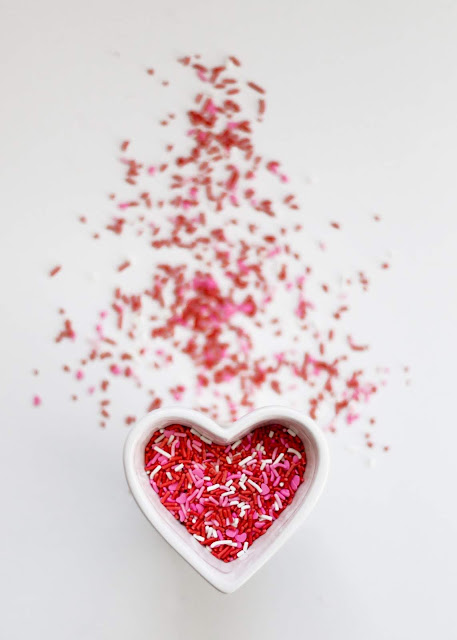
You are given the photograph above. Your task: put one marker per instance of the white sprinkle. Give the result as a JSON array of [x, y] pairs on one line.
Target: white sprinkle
[[255, 485], [199, 538], [294, 451], [233, 502], [170, 439], [148, 472], [271, 434], [278, 459], [242, 485], [229, 460], [245, 546], [235, 444], [292, 433], [216, 467], [218, 543], [162, 452], [179, 467], [281, 484], [227, 493], [159, 466], [169, 476], [207, 440], [194, 432], [213, 487], [229, 482], [235, 522], [240, 553], [265, 517], [258, 446], [206, 478], [194, 520], [264, 463], [189, 486], [245, 460]]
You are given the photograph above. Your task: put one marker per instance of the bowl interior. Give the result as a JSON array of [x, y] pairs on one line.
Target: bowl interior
[[177, 531]]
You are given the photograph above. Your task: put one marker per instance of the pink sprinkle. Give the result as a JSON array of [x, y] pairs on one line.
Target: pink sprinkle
[[36, 401], [79, 375]]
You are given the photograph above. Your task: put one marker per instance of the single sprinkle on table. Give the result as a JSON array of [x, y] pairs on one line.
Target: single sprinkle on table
[[55, 271]]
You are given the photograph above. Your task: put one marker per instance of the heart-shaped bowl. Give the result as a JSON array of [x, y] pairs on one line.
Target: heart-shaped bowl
[[227, 577]]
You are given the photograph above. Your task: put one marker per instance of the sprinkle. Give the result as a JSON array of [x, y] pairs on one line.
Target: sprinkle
[[55, 271], [278, 459], [162, 452], [179, 467], [36, 401], [199, 538], [255, 485], [155, 471], [236, 444], [218, 543], [124, 265], [294, 451], [213, 487], [256, 87]]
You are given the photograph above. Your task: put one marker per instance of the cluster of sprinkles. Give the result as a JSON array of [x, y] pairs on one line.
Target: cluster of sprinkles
[[226, 496], [232, 311]]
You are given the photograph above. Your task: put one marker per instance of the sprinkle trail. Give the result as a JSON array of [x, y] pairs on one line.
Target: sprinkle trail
[[229, 294]]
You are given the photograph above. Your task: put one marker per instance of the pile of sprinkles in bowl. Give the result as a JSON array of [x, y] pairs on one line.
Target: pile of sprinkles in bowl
[[226, 496]]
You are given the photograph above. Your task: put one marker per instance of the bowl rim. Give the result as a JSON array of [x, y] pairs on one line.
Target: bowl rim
[[179, 538]]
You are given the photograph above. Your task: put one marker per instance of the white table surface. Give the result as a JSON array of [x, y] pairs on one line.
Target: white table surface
[[362, 98]]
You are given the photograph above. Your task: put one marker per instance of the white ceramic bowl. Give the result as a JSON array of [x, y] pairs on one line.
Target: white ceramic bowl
[[227, 576]]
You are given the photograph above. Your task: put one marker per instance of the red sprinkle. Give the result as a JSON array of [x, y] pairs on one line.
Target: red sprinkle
[[55, 271], [256, 87], [124, 265]]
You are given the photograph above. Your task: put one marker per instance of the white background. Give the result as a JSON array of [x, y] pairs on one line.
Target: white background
[[362, 98]]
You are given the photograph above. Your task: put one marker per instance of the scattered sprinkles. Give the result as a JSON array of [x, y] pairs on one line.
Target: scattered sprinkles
[[230, 307], [226, 503]]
